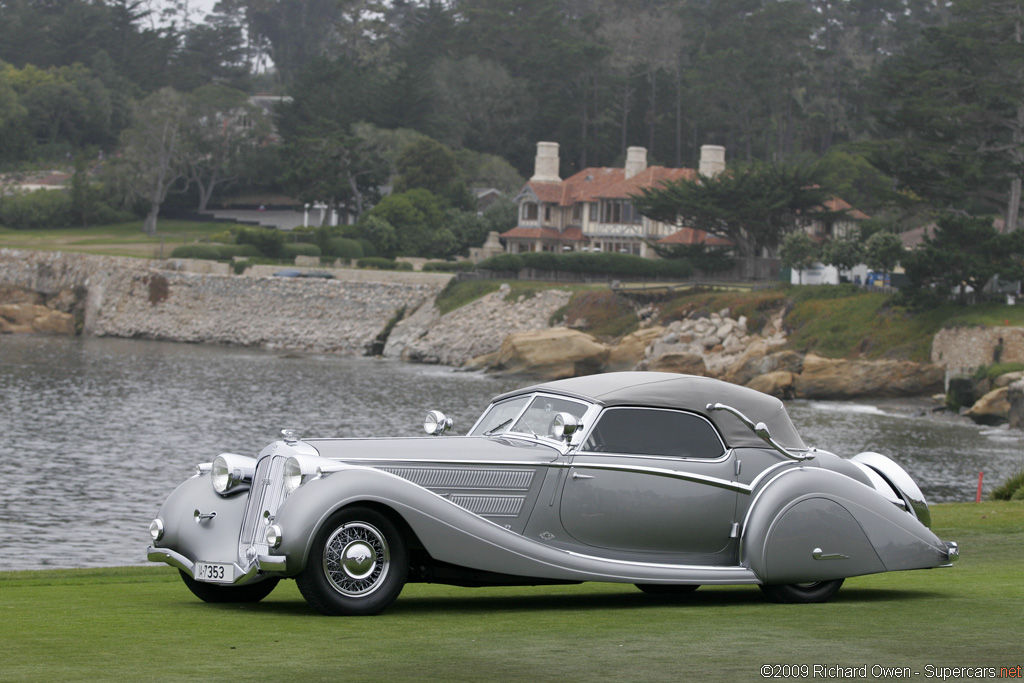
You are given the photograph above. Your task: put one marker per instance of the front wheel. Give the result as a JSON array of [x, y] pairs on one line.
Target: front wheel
[[803, 593], [357, 565], [213, 592]]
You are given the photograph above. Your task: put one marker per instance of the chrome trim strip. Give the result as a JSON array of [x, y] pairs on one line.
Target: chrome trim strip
[[660, 472], [760, 429], [713, 569]]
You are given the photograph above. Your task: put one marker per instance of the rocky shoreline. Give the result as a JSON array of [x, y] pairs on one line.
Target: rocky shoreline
[[53, 293]]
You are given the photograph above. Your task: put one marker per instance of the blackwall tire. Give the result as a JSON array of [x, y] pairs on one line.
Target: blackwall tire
[[212, 592], [802, 593], [357, 565]]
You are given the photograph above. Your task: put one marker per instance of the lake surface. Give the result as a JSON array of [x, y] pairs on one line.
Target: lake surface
[[94, 433]]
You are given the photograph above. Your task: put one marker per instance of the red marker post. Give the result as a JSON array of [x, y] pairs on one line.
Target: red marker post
[[977, 498]]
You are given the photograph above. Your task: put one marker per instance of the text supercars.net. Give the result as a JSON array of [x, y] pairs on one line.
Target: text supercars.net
[[941, 673]]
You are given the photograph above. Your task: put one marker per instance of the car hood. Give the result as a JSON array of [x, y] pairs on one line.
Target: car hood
[[436, 449]]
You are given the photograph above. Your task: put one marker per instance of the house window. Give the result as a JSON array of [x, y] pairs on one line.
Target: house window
[[577, 212], [593, 211], [547, 214], [529, 211]]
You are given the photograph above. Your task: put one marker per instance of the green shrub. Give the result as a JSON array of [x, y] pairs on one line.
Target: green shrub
[[290, 250], [377, 263], [996, 369], [1010, 488], [368, 248], [404, 265], [214, 252], [447, 266], [202, 251], [268, 240], [34, 210], [508, 262], [343, 247]]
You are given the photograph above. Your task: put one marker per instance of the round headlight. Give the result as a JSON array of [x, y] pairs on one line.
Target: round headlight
[[273, 536], [220, 474], [156, 529], [436, 423], [292, 474]]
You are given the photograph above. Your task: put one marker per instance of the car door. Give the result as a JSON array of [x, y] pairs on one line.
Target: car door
[[652, 480]]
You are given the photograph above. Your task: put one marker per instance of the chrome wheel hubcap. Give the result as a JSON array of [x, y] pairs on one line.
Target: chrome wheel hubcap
[[356, 559]]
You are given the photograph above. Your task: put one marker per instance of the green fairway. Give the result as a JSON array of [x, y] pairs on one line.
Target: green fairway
[[142, 624], [122, 239]]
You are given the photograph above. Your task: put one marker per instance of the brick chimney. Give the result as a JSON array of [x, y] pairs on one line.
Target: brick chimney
[[712, 160], [545, 166], [636, 161]]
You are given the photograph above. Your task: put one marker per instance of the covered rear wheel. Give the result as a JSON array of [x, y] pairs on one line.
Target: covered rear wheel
[[667, 590], [214, 592], [802, 593], [357, 565]]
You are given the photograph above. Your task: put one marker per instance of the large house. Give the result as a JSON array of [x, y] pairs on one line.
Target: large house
[[591, 210]]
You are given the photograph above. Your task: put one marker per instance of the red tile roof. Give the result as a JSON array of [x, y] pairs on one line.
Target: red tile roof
[[694, 236], [592, 184]]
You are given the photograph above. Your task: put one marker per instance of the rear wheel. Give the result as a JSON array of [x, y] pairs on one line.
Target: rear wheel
[[357, 565], [803, 593], [667, 590], [213, 592]]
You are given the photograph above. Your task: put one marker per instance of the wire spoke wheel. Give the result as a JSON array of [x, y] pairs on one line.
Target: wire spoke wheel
[[357, 564], [356, 559]]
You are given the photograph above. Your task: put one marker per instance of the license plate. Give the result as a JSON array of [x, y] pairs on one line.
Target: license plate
[[213, 572]]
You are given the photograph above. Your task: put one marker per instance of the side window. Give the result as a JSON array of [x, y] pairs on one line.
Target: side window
[[650, 431]]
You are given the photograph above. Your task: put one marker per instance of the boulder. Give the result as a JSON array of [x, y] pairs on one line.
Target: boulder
[[551, 354], [1015, 396], [758, 359], [28, 318], [631, 349], [991, 409], [828, 378], [779, 384]]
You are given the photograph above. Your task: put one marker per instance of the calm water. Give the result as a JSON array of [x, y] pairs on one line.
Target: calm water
[[94, 433]]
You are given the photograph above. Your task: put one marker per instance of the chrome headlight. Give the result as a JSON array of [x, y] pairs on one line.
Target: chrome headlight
[[156, 529], [230, 472], [298, 469], [273, 536]]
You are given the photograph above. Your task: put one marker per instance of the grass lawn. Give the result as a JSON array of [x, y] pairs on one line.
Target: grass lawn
[[142, 624], [121, 239]]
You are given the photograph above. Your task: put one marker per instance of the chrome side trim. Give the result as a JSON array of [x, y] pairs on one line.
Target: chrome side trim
[[660, 472], [490, 505]]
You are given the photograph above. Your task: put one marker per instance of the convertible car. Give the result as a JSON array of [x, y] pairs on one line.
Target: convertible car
[[665, 481]]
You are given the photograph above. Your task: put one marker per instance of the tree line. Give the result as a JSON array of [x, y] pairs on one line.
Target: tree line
[[905, 108]]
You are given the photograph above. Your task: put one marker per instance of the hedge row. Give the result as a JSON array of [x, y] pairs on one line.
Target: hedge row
[[214, 252], [448, 266], [620, 265], [382, 263]]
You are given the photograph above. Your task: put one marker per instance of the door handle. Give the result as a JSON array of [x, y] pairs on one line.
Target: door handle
[[577, 475], [818, 554]]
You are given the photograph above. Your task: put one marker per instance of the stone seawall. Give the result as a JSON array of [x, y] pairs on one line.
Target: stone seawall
[[962, 349], [159, 300]]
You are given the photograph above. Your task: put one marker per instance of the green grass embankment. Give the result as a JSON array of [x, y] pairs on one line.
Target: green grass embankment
[[121, 239], [133, 624], [832, 321]]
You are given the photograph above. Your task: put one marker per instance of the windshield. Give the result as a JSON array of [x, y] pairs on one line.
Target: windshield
[[537, 419]]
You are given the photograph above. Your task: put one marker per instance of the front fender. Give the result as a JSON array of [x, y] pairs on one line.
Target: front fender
[[813, 524], [213, 538]]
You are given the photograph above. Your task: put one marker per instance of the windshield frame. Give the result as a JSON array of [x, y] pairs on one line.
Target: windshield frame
[[505, 428]]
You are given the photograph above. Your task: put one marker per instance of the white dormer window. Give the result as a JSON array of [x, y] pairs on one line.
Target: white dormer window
[[529, 211]]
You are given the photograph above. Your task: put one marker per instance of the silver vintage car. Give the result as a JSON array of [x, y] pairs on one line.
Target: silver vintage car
[[665, 481]]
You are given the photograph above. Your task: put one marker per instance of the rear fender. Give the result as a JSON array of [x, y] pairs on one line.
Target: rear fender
[[812, 524]]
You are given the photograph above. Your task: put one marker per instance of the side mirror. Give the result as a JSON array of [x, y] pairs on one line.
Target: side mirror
[[564, 425], [436, 423]]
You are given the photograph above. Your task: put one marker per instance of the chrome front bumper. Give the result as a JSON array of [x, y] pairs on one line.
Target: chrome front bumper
[[262, 563]]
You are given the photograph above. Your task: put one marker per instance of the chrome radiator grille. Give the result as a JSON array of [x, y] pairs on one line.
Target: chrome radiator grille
[[265, 495]]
